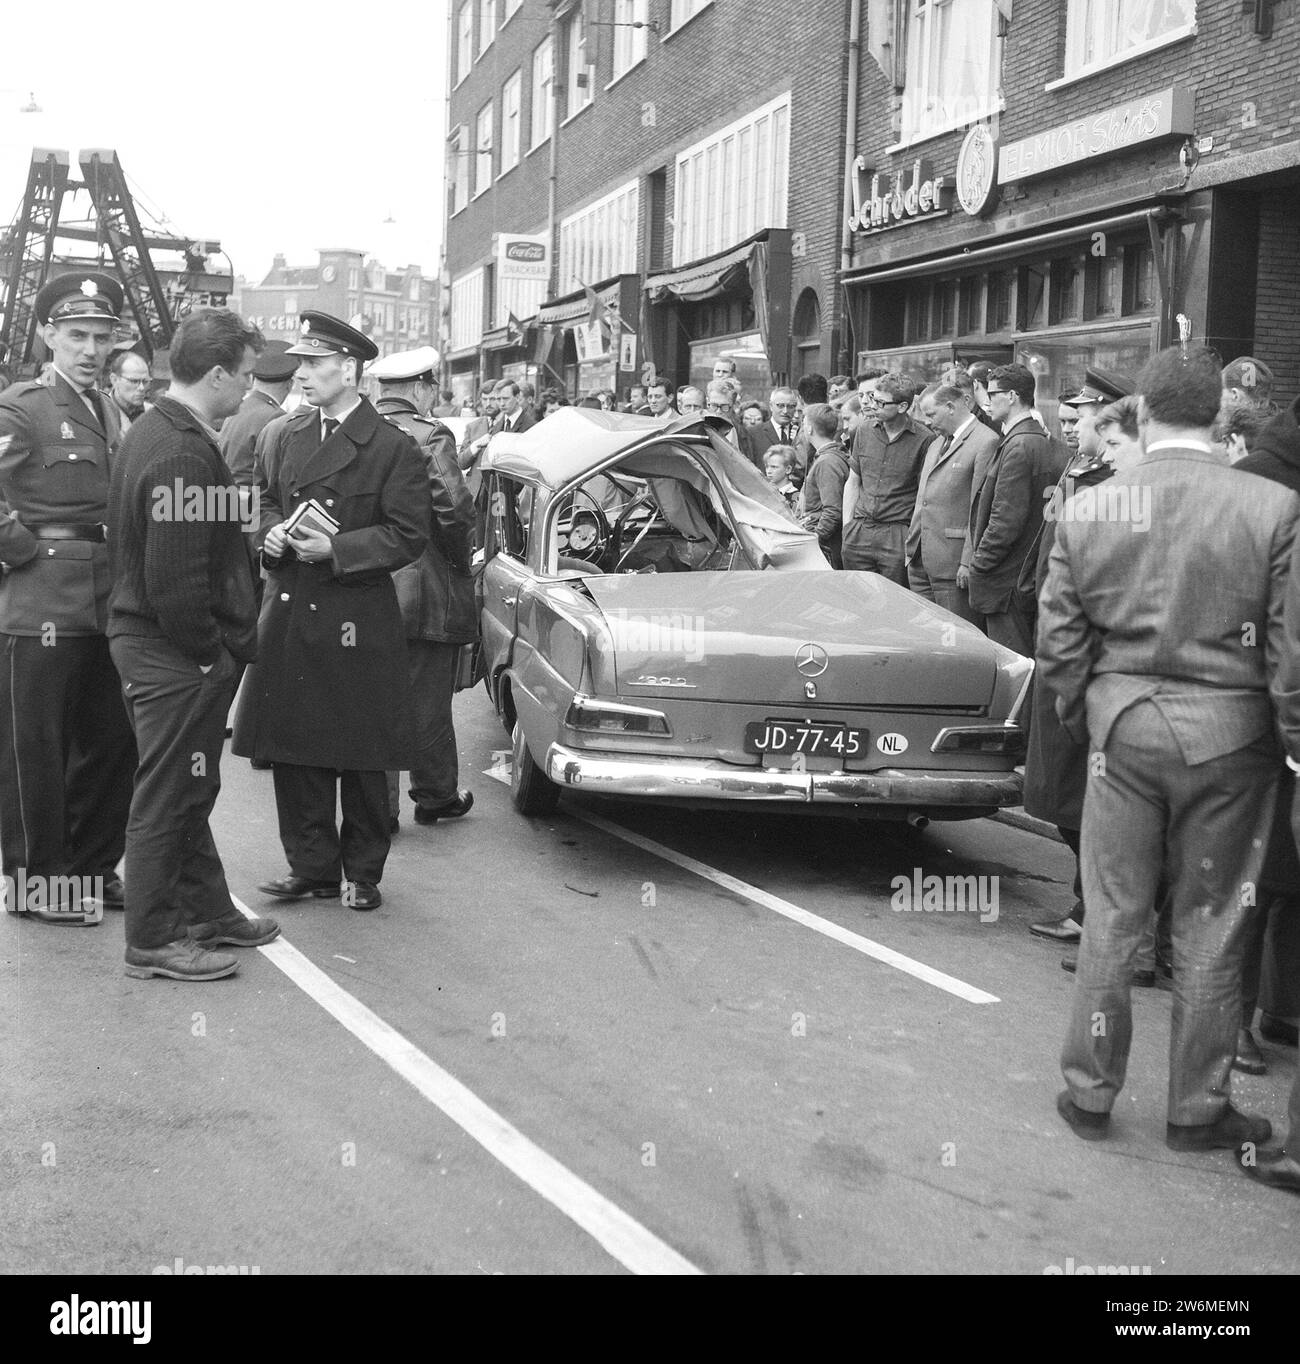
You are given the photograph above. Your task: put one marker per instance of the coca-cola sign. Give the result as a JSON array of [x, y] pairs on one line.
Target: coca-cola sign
[[525, 250], [522, 257]]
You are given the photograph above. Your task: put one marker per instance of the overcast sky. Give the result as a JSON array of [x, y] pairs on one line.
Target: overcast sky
[[273, 126]]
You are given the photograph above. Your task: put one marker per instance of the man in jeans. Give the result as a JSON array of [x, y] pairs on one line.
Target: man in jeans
[[181, 621], [884, 472]]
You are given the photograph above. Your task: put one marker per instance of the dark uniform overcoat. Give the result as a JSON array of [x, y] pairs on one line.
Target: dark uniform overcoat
[[330, 685]]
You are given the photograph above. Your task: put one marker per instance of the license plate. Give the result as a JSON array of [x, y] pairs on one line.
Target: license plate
[[809, 737]]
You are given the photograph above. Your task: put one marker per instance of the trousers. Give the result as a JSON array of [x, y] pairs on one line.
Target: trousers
[[315, 843], [431, 665], [1206, 826], [174, 877]]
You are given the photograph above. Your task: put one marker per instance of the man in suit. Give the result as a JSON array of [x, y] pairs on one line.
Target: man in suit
[[938, 543], [659, 398], [1161, 623], [182, 621], [781, 428], [67, 754], [720, 401], [328, 700], [884, 471], [435, 594], [1007, 507], [273, 374], [513, 413]]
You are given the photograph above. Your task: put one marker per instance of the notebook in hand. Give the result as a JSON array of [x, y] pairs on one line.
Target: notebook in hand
[[311, 516]]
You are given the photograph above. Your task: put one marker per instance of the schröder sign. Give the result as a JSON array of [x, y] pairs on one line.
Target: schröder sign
[[926, 196], [1166, 113]]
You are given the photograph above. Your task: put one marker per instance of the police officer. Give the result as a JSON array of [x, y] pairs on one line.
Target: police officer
[[328, 701], [67, 754], [436, 594]]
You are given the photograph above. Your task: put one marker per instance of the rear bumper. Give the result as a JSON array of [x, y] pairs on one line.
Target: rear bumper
[[691, 779]]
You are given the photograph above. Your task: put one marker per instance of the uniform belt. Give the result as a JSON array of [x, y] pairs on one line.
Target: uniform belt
[[96, 532]]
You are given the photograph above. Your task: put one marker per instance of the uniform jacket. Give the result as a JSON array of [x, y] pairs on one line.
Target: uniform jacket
[[1186, 612], [1277, 450], [182, 578], [330, 688], [55, 461], [940, 530], [436, 593], [1006, 511], [239, 434]]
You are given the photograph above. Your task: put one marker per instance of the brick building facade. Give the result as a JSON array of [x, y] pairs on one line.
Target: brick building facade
[[692, 180], [1147, 166]]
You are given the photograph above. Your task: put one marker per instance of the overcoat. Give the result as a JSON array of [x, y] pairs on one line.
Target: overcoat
[[330, 685]]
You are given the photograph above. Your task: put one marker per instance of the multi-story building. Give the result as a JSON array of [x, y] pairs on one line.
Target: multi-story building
[[638, 185], [1062, 180], [397, 309]]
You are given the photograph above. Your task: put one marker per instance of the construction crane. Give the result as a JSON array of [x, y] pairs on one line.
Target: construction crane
[[156, 296]]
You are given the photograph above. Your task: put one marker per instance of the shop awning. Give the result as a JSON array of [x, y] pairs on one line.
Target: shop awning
[[1001, 251], [571, 308], [503, 338], [704, 278]]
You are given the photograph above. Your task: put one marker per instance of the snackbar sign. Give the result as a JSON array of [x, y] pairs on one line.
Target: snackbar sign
[[889, 204]]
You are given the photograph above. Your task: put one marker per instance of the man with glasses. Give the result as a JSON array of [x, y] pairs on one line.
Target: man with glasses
[[1007, 507], [720, 401], [884, 472], [130, 382], [783, 425]]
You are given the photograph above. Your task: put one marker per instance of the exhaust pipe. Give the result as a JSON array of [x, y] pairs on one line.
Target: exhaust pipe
[[918, 820]]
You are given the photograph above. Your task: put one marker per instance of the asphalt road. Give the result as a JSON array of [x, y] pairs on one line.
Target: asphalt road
[[720, 1048]]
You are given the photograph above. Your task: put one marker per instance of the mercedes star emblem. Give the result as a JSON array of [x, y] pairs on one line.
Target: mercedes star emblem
[[811, 660]]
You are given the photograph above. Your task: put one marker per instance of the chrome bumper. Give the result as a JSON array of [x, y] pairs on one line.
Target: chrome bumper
[[692, 779]]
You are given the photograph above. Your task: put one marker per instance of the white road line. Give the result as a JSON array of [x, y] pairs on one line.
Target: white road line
[[626, 1240], [866, 946]]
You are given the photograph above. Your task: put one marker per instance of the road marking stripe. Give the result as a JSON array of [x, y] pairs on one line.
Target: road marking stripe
[[626, 1240], [866, 946]]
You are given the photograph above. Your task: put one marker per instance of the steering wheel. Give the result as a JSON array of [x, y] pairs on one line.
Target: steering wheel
[[617, 552], [587, 534]]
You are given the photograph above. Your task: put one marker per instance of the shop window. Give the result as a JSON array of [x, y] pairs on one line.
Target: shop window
[[953, 65], [1033, 296], [1100, 32], [1140, 288], [945, 299], [970, 306], [1066, 303], [1102, 279], [1002, 300], [916, 322]]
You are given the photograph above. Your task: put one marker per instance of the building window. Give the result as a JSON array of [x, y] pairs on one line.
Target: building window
[[543, 81], [487, 24], [467, 310], [1099, 32], [483, 149], [629, 43], [415, 291], [733, 183], [354, 279], [600, 240], [464, 40], [510, 96], [458, 172], [954, 62], [579, 73], [511, 9], [682, 10]]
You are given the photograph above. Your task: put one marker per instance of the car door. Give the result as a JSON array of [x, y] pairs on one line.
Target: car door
[[505, 575]]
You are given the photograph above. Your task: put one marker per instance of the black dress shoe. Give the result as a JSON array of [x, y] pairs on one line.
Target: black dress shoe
[[1060, 930], [1274, 1168], [1089, 1126], [260, 765], [1278, 1030], [1249, 1059], [394, 825], [299, 888], [361, 895], [1228, 1130], [458, 805]]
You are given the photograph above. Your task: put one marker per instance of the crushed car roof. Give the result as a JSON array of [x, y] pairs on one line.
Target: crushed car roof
[[573, 440]]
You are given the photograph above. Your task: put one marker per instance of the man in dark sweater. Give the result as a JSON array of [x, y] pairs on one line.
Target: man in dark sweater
[[181, 621]]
